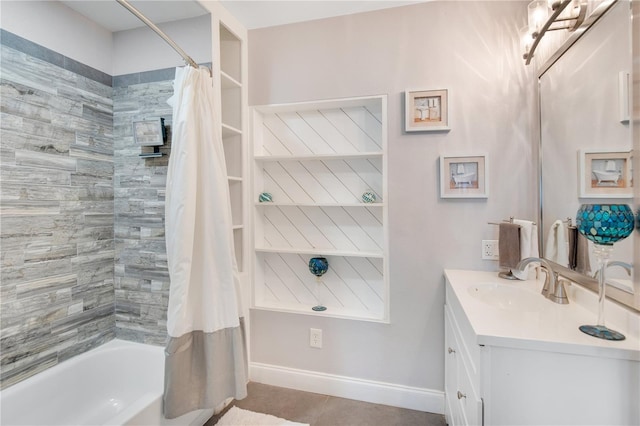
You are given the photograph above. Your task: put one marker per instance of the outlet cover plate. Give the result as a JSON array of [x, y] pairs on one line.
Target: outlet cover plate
[[490, 249], [315, 338]]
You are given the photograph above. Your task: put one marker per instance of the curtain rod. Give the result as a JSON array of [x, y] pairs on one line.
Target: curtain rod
[[158, 31]]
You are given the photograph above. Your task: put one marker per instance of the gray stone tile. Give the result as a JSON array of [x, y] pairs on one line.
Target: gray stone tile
[[30, 48], [57, 286]]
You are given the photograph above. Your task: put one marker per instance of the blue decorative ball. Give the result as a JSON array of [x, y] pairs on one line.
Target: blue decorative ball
[[369, 197], [605, 224], [318, 266], [265, 197]]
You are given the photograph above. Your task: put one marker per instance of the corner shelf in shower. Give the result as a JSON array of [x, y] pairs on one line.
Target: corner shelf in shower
[[322, 157], [233, 103]]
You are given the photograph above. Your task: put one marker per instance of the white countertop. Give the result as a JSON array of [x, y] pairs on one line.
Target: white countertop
[[541, 324]]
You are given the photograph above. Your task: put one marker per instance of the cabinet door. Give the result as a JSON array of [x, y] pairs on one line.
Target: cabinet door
[[463, 405], [470, 403], [453, 412]]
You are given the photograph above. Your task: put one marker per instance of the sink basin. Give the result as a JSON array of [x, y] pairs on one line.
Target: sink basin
[[506, 297]]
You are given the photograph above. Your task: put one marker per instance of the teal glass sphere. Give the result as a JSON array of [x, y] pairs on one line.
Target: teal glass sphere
[[318, 266], [605, 224]]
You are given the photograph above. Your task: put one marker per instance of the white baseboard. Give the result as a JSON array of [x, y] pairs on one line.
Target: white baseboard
[[409, 397]]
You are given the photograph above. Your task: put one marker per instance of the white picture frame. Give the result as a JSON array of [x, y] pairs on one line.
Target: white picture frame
[[426, 110], [605, 173], [464, 176]]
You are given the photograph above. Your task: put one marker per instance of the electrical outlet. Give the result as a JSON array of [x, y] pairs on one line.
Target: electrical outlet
[[315, 338], [490, 249]]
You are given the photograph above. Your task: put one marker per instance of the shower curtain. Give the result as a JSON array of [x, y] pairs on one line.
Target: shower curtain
[[205, 357]]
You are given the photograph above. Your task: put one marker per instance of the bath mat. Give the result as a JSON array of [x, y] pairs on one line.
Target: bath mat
[[239, 417]]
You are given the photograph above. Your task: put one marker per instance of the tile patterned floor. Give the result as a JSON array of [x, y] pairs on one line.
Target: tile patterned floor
[[324, 410]]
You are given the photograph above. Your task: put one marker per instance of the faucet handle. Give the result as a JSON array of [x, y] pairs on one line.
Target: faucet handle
[[559, 295], [626, 266]]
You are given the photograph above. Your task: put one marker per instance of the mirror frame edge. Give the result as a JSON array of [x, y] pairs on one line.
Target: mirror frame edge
[[629, 301]]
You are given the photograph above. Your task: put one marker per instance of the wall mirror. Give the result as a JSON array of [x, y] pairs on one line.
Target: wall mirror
[[586, 141]]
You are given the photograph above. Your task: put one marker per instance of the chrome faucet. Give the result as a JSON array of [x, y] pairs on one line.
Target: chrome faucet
[[553, 288]]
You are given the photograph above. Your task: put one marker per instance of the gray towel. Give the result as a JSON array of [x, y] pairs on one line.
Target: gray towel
[[578, 252], [572, 237], [582, 257], [509, 245]]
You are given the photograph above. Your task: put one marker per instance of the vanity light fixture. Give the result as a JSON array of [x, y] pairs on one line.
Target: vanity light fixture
[[550, 15]]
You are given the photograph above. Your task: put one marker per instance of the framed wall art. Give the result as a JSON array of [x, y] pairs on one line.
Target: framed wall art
[[426, 110], [464, 176], [605, 173]]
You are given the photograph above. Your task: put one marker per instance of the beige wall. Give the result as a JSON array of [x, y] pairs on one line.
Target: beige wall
[[470, 48]]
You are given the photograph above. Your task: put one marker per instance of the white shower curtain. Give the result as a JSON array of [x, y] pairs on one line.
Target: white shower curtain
[[205, 356]]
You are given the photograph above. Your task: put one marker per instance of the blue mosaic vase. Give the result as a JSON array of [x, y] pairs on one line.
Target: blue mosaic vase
[[318, 266], [605, 224]]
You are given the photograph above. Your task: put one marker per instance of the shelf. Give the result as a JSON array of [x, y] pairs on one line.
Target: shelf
[[331, 312], [231, 47], [319, 157], [230, 131], [319, 204], [316, 159], [320, 252], [229, 82]]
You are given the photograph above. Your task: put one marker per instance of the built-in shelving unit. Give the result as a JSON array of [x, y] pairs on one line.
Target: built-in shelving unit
[[233, 137], [316, 159]]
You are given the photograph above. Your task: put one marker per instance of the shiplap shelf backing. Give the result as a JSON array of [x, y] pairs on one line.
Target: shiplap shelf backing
[[316, 159]]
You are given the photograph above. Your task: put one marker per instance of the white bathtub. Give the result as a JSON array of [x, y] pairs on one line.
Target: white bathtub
[[118, 383]]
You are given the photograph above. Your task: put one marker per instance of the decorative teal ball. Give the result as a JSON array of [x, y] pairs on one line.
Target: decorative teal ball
[[318, 266], [369, 197], [265, 197]]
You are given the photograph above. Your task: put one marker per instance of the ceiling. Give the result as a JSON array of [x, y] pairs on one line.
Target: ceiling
[[251, 13]]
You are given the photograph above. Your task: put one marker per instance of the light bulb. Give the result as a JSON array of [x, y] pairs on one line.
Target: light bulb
[[525, 40], [538, 12]]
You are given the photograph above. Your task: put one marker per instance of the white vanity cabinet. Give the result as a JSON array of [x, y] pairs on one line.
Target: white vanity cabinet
[[518, 366]]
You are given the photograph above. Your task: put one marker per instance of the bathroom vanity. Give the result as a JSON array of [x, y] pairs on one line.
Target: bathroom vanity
[[512, 357]]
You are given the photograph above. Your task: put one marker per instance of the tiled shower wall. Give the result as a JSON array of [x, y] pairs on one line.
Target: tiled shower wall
[[57, 278], [76, 199], [141, 274]]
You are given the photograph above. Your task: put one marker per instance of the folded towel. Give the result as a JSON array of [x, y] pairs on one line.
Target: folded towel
[[508, 245], [578, 251], [556, 247], [528, 247]]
